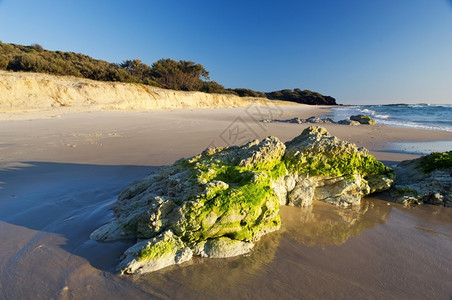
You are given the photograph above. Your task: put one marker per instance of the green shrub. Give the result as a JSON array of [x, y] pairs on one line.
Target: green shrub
[[3, 62]]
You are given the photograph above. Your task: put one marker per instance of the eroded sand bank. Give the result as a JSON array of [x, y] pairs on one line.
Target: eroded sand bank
[[26, 95], [60, 176]]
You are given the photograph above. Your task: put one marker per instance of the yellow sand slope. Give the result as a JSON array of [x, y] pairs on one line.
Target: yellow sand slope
[[35, 91]]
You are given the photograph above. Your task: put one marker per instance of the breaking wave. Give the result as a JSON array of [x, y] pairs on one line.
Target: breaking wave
[[419, 116]]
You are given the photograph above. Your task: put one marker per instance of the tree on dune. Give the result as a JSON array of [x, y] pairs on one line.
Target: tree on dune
[[182, 75]]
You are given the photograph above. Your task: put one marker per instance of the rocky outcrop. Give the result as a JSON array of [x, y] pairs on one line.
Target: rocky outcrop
[[425, 180], [215, 204], [363, 119], [353, 121], [325, 168], [219, 203], [296, 120], [348, 122]]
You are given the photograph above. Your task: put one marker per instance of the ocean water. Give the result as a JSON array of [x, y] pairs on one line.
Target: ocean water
[[421, 116]]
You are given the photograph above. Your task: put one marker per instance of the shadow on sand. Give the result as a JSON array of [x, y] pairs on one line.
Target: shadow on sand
[[61, 204], [72, 200]]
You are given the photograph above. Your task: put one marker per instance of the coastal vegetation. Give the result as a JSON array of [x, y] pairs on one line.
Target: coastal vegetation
[[435, 161], [165, 73], [302, 96]]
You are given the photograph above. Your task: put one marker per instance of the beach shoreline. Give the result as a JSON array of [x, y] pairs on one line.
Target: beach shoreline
[[60, 176], [80, 137]]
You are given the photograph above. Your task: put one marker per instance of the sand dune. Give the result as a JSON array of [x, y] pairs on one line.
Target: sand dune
[[21, 92]]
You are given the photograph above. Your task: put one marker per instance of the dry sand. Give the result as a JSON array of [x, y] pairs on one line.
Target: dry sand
[[59, 178]]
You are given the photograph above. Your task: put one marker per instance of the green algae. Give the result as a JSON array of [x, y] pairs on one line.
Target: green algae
[[278, 171], [156, 250], [238, 201], [363, 119], [436, 161], [320, 164], [240, 211], [317, 153], [160, 248]]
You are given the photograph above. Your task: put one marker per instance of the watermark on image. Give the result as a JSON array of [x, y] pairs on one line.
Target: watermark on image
[[237, 132], [260, 113], [240, 131]]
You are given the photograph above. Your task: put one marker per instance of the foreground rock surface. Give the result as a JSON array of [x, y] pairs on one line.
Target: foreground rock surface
[[219, 203], [425, 180]]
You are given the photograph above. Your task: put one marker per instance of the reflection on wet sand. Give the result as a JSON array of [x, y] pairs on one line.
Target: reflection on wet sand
[[324, 224], [320, 224], [210, 278]]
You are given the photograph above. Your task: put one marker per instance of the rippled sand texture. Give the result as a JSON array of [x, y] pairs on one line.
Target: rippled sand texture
[[52, 196]]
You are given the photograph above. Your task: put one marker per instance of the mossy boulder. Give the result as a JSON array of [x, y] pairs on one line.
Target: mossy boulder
[[363, 119], [325, 168], [223, 194], [426, 180], [219, 203], [164, 250]]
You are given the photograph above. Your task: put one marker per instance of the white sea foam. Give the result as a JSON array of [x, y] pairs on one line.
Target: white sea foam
[[420, 116], [414, 125], [374, 114]]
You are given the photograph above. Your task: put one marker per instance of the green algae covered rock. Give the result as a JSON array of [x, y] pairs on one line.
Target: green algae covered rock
[[219, 203], [325, 168], [315, 152], [202, 202], [363, 119], [164, 250], [426, 180]]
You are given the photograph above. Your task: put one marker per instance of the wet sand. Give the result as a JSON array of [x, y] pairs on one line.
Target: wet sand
[[59, 178]]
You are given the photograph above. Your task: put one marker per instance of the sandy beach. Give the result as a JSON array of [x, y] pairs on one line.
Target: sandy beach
[[60, 174]]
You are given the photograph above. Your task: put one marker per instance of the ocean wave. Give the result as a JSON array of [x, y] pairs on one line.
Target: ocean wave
[[415, 125], [419, 116], [368, 111], [374, 114], [444, 105], [415, 105]]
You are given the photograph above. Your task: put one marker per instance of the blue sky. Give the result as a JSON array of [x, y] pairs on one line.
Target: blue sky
[[358, 51]]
